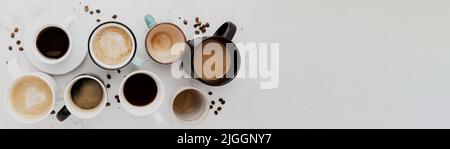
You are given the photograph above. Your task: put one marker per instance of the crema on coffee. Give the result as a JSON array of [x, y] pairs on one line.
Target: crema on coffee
[[112, 45]]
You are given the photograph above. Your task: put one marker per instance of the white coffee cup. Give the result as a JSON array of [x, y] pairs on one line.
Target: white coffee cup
[[201, 109], [19, 74], [150, 108], [85, 113], [115, 66], [61, 24]]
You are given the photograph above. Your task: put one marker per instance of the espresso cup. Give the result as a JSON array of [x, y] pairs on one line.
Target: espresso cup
[[165, 42], [219, 50], [141, 93], [85, 97], [112, 45], [30, 96], [52, 42], [189, 105]]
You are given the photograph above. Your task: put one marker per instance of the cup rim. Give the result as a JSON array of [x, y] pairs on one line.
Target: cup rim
[[235, 57], [150, 108], [40, 56], [118, 66], [184, 40], [83, 113], [205, 106], [8, 99]]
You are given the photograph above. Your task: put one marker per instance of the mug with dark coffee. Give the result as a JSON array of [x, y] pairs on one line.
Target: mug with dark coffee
[[85, 97], [141, 93], [53, 42], [112, 45], [214, 60]]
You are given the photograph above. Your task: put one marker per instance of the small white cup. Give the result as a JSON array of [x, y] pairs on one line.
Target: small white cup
[[64, 25], [197, 117], [83, 113], [150, 108], [17, 75]]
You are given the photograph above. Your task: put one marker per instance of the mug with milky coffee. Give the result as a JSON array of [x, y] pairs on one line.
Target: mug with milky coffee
[[30, 97], [112, 45], [214, 60], [165, 42]]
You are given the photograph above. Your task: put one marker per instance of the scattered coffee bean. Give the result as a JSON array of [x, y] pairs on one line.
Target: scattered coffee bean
[[199, 23], [98, 20], [197, 19], [179, 18], [108, 86], [10, 48], [86, 8], [220, 99], [203, 30], [219, 109], [209, 93], [108, 76], [211, 106], [118, 71], [195, 25], [108, 104], [114, 16], [185, 22], [215, 112], [197, 32], [13, 35], [91, 12], [53, 112], [97, 11], [117, 98], [16, 29], [18, 42], [6, 62], [207, 24], [20, 49], [213, 102]]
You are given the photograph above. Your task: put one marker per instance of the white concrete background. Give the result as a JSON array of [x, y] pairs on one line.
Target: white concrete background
[[343, 63]]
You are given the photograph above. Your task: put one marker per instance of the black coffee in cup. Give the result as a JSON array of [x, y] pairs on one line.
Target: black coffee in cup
[[53, 42], [140, 89]]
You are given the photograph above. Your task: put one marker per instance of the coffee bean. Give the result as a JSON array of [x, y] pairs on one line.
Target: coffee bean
[[91, 12], [118, 71], [219, 109], [213, 102], [203, 30], [18, 42], [114, 16], [13, 35], [10, 48], [207, 24], [185, 22], [108, 76], [98, 20], [117, 98], [16, 29], [197, 32], [211, 106], [53, 112], [108, 104], [20, 49], [220, 99], [195, 25], [179, 17], [209, 93], [97, 11], [215, 112], [86, 8], [6, 62], [108, 86], [197, 19]]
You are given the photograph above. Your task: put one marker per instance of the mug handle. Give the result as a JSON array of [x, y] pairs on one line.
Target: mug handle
[[150, 21], [227, 30], [63, 114]]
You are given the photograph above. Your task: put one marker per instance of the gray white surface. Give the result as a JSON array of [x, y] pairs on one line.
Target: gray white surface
[[343, 64]]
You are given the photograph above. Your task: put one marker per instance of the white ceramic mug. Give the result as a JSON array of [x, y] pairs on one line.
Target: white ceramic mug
[[199, 114], [150, 108], [85, 113], [18, 74], [61, 24]]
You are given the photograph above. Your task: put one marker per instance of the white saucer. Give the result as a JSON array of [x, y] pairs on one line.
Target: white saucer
[[78, 41]]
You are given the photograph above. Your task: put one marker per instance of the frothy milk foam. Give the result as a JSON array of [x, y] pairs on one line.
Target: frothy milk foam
[[31, 97], [112, 45]]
